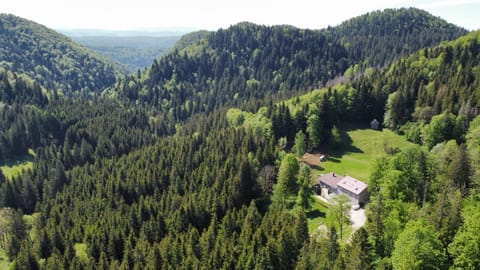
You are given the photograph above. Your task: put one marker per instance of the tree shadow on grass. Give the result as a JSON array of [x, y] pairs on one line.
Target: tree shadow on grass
[[316, 167], [345, 147], [334, 159], [315, 214]]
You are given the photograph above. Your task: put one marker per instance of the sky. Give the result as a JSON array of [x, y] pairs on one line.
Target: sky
[[215, 14]]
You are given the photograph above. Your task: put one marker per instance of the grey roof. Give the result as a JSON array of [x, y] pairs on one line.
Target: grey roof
[[353, 185], [331, 179]]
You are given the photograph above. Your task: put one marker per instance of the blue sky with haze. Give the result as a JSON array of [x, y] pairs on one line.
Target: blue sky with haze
[[214, 14]]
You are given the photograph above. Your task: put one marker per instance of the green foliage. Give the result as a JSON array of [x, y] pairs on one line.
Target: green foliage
[[418, 247], [379, 33], [252, 62], [53, 60], [340, 211], [26, 259], [304, 191], [287, 174], [160, 172], [358, 251], [464, 248], [286, 182], [314, 130], [188, 41], [393, 106], [440, 80], [473, 147], [257, 123], [4, 263], [230, 66], [440, 129], [300, 146]]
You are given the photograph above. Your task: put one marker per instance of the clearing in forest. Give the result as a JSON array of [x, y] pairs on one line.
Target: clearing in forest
[[14, 168], [356, 155]]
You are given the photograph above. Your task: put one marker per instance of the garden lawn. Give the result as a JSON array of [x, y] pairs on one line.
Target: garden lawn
[[317, 214]]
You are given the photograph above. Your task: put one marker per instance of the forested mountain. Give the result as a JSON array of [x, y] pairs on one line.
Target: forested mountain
[[231, 66], [38, 67], [377, 38], [432, 81], [251, 62], [191, 38], [157, 173], [51, 59], [132, 52]]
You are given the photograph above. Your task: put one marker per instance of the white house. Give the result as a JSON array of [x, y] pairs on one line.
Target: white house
[[355, 189], [338, 184]]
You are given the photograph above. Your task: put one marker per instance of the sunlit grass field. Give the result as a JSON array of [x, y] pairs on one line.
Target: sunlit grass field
[[14, 168], [361, 148]]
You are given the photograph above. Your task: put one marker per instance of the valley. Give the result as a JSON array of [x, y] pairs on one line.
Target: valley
[[195, 156], [133, 53]]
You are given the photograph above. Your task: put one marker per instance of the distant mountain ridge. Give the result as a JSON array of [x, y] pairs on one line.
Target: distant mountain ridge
[[161, 32], [379, 37], [132, 52], [51, 59], [248, 61]]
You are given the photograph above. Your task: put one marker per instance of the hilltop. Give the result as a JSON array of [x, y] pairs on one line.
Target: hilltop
[[377, 38], [246, 62], [51, 59]]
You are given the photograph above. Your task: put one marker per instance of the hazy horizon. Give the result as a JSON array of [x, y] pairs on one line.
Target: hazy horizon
[[143, 15]]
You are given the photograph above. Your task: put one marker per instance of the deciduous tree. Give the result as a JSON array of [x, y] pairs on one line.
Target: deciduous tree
[[340, 211], [418, 247]]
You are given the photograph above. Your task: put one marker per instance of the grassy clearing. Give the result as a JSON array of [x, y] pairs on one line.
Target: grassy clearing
[[14, 168], [361, 148]]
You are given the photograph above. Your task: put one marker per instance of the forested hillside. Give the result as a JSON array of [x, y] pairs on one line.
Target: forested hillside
[[51, 59], [378, 38], [38, 68], [423, 198], [160, 172], [238, 65], [247, 63]]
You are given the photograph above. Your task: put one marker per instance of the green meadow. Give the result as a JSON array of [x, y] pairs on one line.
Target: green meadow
[[359, 151], [14, 168]]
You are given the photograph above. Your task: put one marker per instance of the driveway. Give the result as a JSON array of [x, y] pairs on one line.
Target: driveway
[[358, 218]]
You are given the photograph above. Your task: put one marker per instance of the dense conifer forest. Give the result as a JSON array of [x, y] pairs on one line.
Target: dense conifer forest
[[193, 162], [51, 59]]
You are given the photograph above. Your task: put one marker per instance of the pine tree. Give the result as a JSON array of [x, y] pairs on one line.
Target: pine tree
[[25, 259], [301, 229], [300, 146]]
